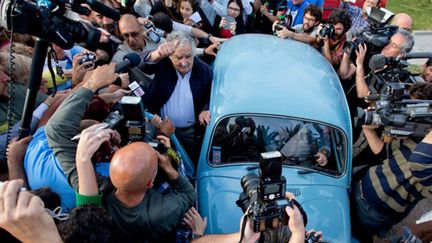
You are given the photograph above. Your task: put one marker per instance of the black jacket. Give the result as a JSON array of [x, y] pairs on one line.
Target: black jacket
[[165, 81]]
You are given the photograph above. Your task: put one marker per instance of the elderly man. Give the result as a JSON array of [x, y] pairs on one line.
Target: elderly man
[[134, 38], [181, 87], [139, 212], [400, 43]]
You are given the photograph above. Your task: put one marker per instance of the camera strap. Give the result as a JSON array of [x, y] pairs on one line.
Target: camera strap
[[59, 70], [300, 208], [244, 221]]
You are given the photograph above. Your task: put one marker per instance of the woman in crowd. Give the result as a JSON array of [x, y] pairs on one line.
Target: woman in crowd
[[232, 23]]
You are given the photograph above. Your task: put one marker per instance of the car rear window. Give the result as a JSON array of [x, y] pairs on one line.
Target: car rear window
[[307, 144]]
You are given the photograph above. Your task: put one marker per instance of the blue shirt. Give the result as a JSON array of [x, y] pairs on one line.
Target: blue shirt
[[296, 12], [180, 106], [43, 169], [318, 3]]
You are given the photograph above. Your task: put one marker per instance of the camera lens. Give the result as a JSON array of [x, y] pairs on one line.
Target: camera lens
[[250, 184]]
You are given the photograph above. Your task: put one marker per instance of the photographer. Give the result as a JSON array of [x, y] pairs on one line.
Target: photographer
[[358, 15], [139, 211], [387, 192], [332, 36], [400, 43], [295, 225], [305, 32], [65, 123]]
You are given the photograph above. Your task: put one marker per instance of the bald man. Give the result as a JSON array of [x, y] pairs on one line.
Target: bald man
[[139, 212], [403, 21], [133, 35], [134, 41]]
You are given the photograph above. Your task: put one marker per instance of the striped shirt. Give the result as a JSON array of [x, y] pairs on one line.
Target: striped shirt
[[403, 179]]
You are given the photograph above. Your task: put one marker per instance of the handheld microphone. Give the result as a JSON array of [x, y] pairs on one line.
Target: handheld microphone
[[130, 60], [377, 62]]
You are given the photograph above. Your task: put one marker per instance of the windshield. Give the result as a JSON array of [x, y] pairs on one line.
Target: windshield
[[302, 143]]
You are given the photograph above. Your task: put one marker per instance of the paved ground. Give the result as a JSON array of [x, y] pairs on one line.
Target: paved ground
[[423, 43]]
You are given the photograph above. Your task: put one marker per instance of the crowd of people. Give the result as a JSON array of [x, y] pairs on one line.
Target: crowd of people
[[75, 179]]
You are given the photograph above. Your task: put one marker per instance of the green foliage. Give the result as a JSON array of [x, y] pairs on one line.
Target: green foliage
[[419, 10]]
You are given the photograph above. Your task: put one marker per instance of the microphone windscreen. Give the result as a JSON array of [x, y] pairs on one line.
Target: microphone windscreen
[[377, 61], [133, 58]]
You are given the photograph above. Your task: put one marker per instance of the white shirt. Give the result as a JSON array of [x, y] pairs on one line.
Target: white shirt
[[180, 107]]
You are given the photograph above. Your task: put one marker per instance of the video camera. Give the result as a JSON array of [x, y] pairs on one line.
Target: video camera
[[50, 20], [376, 36], [401, 117], [264, 195]]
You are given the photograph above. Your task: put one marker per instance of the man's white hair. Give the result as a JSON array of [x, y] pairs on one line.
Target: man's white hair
[[183, 39]]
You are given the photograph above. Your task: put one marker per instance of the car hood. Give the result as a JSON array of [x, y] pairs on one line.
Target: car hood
[[326, 206]]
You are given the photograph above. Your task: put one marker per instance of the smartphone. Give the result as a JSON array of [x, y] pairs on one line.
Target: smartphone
[[152, 35]]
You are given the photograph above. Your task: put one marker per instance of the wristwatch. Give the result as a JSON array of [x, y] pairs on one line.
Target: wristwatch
[[208, 36]]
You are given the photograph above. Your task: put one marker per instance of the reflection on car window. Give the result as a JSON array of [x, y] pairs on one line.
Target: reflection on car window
[[302, 143]]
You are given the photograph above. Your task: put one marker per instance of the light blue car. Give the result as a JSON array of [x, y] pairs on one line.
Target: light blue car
[[271, 94]]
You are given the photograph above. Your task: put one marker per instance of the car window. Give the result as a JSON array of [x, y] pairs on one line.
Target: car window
[[302, 143]]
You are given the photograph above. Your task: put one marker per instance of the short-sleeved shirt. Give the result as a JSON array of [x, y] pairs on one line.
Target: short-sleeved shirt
[[299, 29], [296, 12], [43, 169], [19, 92]]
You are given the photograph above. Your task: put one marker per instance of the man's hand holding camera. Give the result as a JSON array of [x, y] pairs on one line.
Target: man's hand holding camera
[[361, 53], [22, 214], [100, 77], [324, 38], [281, 31], [295, 221], [165, 161], [79, 69]]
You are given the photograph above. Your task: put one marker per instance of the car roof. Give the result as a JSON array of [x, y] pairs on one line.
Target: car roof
[[256, 73]]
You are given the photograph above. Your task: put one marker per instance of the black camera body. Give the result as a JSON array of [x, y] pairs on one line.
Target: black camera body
[[327, 30], [401, 117], [264, 195], [137, 128], [279, 25], [376, 36], [88, 57]]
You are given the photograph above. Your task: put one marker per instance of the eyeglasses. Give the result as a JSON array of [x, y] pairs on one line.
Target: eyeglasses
[[234, 9], [131, 34]]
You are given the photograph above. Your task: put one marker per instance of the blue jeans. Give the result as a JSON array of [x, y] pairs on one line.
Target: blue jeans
[[366, 220]]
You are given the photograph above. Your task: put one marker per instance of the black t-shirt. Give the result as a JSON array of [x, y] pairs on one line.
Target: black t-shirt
[[260, 23]]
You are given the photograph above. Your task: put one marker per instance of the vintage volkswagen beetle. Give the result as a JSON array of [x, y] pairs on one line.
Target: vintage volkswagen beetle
[[265, 91]]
